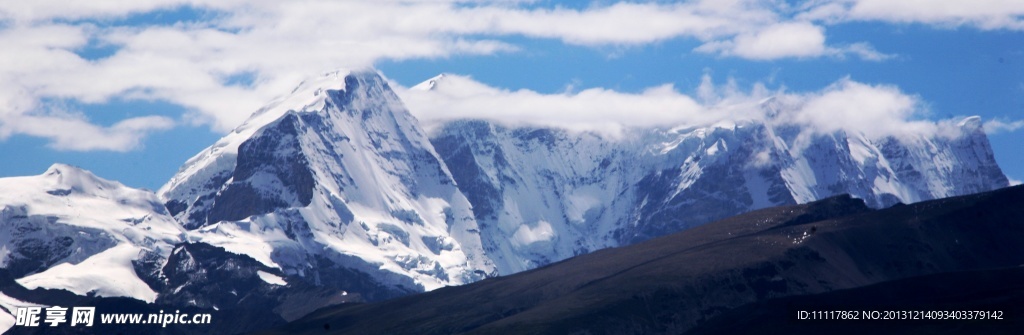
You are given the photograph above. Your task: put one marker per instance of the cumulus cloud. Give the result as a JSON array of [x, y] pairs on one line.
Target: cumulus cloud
[[277, 44], [194, 63], [788, 40], [798, 39], [875, 110]]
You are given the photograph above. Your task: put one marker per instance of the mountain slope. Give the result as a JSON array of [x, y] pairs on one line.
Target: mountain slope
[[558, 194], [541, 194], [334, 178], [674, 283], [1000, 291], [68, 229]]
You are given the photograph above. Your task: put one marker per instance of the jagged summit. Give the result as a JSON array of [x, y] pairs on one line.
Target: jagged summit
[[342, 178], [308, 95]]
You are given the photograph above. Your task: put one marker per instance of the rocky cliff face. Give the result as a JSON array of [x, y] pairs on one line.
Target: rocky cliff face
[[545, 194], [336, 176]]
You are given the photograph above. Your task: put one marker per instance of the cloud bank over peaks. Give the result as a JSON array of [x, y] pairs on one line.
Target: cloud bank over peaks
[[453, 97], [846, 105], [191, 53]]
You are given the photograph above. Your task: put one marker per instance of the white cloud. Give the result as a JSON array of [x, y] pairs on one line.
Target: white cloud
[[280, 42], [39, 10], [845, 106], [982, 14], [787, 40], [624, 23], [875, 110], [796, 39], [1015, 182], [70, 133], [595, 109], [865, 51], [999, 126]]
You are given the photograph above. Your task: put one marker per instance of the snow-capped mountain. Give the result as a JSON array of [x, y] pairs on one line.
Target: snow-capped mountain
[[68, 229], [335, 177], [335, 192], [542, 194]]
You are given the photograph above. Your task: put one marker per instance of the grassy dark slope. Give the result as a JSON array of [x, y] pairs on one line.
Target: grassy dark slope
[[675, 283]]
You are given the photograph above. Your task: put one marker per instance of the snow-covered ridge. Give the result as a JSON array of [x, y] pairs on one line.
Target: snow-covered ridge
[[543, 194], [337, 174], [309, 95], [68, 229], [71, 196]]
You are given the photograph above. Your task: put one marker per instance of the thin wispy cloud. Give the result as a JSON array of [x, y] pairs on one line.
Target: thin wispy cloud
[[1000, 126], [981, 14]]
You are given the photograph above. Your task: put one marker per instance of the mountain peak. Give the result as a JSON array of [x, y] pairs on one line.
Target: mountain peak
[[310, 95], [307, 95], [68, 178], [102, 227], [59, 169], [431, 83], [327, 80], [971, 123], [337, 176]]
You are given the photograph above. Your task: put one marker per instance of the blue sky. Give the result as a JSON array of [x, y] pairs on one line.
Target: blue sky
[[130, 89]]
